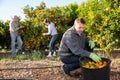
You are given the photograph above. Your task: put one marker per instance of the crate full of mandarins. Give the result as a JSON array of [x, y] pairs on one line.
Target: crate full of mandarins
[[96, 70], [94, 65]]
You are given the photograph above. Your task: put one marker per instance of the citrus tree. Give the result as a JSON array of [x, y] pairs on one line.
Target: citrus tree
[[1, 34], [102, 22], [4, 34], [61, 16]]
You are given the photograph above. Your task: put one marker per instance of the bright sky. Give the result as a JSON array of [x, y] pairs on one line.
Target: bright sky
[[9, 8]]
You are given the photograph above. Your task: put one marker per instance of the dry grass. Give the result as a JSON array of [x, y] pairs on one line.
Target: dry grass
[[53, 73]]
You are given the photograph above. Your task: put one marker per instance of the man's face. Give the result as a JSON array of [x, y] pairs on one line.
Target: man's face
[[16, 18], [79, 27]]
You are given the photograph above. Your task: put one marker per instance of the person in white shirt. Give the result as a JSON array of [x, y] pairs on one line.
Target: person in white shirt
[[53, 32]]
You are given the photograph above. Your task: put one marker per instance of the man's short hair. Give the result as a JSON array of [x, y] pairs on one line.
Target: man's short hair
[[81, 20]]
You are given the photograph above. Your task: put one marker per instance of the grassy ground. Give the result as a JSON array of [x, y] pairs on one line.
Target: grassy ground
[[38, 59]]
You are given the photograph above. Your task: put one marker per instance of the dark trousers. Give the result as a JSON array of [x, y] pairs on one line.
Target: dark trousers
[[73, 62]]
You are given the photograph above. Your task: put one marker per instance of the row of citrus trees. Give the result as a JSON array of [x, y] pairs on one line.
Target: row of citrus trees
[[4, 34], [102, 23]]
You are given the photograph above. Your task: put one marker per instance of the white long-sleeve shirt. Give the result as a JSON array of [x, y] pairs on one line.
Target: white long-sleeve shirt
[[51, 29]]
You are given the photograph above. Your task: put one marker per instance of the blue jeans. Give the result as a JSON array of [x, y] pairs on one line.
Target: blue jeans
[[15, 36], [52, 42]]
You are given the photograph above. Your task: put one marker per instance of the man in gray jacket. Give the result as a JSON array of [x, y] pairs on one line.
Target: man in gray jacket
[[74, 46]]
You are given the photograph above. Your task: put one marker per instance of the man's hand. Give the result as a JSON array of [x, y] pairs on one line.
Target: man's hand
[[21, 26], [94, 57], [44, 34], [91, 44]]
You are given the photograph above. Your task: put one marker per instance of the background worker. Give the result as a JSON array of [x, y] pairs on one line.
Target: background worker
[[14, 33], [53, 32]]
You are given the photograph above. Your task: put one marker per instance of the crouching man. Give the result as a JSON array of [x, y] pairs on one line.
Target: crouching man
[[74, 46]]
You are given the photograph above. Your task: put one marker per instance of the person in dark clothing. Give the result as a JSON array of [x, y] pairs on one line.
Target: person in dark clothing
[[74, 46]]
